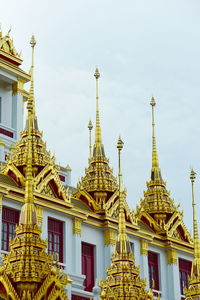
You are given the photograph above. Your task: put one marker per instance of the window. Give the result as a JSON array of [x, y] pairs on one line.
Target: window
[[153, 270], [88, 265], [184, 273], [10, 217], [55, 239]]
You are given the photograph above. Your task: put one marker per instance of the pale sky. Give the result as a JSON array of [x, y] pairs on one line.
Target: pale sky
[[142, 48]]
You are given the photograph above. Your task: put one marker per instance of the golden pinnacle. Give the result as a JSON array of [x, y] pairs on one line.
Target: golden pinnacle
[[152, 102], [97, 74], [33, 41], [120, 144], [192, 175], [90, 126]]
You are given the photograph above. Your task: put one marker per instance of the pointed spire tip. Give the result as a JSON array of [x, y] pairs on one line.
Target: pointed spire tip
[[152, 102], [33, 41], [192, 175], [90, 125], [120, 144], [97, 74]]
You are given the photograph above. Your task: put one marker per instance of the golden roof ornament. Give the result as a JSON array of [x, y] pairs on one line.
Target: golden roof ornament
[[7, 45], [98, 184], [193, 291], [123, 277]]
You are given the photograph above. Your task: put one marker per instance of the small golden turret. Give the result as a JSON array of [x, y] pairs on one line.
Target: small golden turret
[[123, 280], [98, 184], [156, 202], [193, 291]]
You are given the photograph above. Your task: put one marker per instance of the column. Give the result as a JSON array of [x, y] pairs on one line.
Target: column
[[17, 107], [173, 275], [144, 261], [1, 205], [109, 242]]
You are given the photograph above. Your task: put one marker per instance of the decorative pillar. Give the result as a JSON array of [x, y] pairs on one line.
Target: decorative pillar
[[144, 261], [39, 212], [77, 223], [173, 275], [109, 242], [1, 205], [2, 151], [17, 106]]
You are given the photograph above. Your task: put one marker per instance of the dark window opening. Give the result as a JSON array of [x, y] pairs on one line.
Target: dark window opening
[[184, 273], [10, 217], [55, 239], [88, 265], [153, 270]]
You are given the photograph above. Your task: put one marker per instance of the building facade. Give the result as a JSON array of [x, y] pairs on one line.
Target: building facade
[[81, 224]]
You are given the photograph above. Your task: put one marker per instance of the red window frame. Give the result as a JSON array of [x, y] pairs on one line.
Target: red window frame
[[55, 238], [153, 270], [184, 273], [10, 218], [88, 265]]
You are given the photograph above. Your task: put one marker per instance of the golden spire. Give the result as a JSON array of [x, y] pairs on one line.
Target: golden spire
[[28, 271], [98, 185], [28, 212], [122, 226], [98, 139], [195, 224], [90, 126], [123, 277], [193, 291], [31, 99], [154, 152]]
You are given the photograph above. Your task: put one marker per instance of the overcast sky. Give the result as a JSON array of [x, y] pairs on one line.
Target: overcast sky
[[142, 48]]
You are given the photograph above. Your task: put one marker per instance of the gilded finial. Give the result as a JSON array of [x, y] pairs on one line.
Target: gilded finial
[[33, 41], [122, 226], [98, 139], [97, 74], [31, 101], [155, 163], [120, 144], [90, 126]]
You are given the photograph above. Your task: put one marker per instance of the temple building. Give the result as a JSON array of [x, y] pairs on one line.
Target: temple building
[[97, 247]]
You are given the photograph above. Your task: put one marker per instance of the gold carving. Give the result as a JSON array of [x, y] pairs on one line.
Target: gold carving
[[144, 247], [39, 212], [18, 87], [109, 237], [172, 257], [77, 226]]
